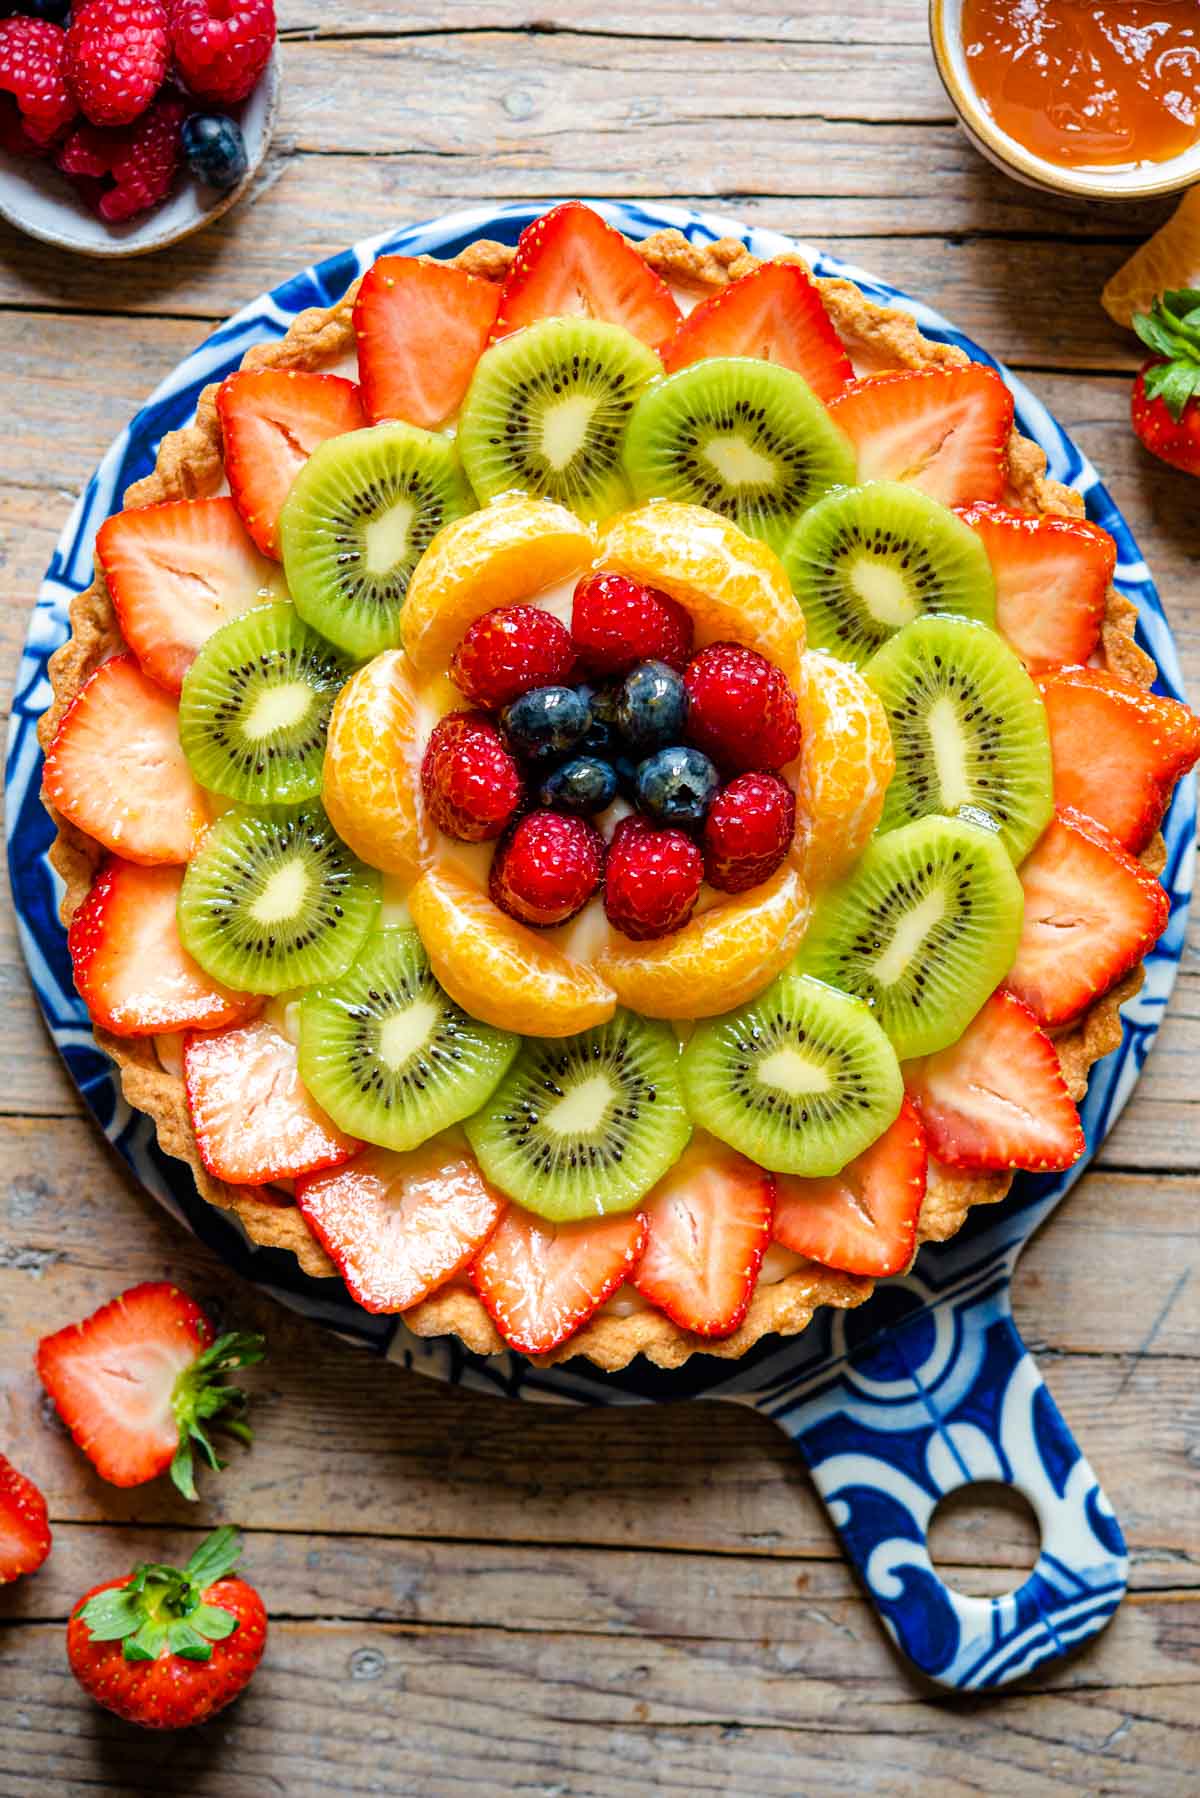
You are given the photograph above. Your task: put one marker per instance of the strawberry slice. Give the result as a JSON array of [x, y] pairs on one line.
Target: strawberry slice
[[1052, 578], [117, 770], [863, 1220], [775, 313], [1118, 750], [709, 1224], [24, 1524], [996, 1098], [943, 430], [132, 971], [421, 328], [140, 1382], [569, 263], [254, 1121], [272, 419], [177, 571], [397, 1226], [1091, 913], [541, 1282]]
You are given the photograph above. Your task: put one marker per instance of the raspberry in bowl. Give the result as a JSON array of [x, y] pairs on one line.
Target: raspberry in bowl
[[621, 876]]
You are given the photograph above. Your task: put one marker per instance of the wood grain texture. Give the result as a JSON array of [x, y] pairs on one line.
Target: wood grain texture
[[474, 1596]]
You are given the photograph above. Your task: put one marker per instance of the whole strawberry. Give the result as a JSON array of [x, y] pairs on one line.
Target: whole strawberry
[[221, 46], [117, 55], [1166, 394], [167, 1647], [33, 56], [140, 1382], [24, 1524]]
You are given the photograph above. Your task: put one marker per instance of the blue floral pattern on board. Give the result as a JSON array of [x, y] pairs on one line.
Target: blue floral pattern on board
[[925, 1389]]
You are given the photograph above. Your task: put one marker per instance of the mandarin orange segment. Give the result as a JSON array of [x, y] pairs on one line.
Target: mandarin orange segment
[[496, 969], [734, 587], [723, 957], [509, 551], [845, 764], [372, 788]]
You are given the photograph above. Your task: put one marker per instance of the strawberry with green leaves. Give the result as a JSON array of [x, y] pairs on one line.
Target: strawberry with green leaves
[[1166, 394], [167, 1647]]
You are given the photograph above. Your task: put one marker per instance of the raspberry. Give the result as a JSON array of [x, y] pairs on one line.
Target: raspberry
[[509, 651], [32, 57], [221, 46], [470, 782], [117, 55], [547, 868], [13, 136], [741, 710], [748, 831], [616, 622], [122, 173], [651, 879]]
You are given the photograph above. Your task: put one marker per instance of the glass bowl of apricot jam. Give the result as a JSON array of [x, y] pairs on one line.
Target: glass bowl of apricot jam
[[1098, 98]]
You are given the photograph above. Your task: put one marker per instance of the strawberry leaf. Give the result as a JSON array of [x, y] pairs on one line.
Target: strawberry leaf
[[216, 1556], [113, 1615], [201, 1395]]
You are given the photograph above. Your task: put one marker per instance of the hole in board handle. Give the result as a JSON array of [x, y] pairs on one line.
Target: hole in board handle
[[984, 1539]]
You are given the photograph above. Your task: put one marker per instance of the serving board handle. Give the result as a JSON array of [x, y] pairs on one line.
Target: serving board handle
[[943, 1398]]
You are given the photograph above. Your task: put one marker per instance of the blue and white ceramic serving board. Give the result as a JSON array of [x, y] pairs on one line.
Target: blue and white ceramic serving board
[[926, 1388]]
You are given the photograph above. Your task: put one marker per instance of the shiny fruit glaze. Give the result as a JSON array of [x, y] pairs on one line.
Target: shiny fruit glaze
[[1085, 85]]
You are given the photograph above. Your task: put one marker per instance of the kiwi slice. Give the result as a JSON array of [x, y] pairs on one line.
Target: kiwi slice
[[547, 409], [924, 929], [255, 707], [969, 730], [389, 1055], [360, 515], [864, 561], [746, 438], [801, 1079], [584, 1125], [274, 899]]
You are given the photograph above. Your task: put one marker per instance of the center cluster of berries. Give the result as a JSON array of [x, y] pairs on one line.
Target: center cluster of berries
[[616, 709]]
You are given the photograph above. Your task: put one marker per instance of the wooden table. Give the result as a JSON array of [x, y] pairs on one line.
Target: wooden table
[[468, 1596]]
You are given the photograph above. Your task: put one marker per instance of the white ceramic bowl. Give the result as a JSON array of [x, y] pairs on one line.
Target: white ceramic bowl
[[42, 203], [1140, 183]]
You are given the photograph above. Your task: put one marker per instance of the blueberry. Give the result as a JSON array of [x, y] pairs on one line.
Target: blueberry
[[583, 785], [215, 150], [546, 722], [55, 11], [652, 707], [625, 768], [601, 739], [676, 786]]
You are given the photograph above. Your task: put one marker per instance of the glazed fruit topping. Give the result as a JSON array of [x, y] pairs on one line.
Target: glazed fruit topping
[[547, 722], [1052, 576], [616, 621], [547, 868], [509, 651], [582, 786], [741, 709], [774, 313], [24, 1524], [541, 1281], [944, 430], [709, 1223], [569, 263], [651, 707], [221, 46], [32, 69], [117, 54], [471, 783], [863, 1220], [651, 880], [421, 328], [272, 419], [748, 831]]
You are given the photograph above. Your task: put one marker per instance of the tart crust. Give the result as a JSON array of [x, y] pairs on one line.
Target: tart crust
[[190, 465]]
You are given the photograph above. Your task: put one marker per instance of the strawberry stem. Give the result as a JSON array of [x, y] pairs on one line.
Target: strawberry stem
[[201, 1397], [1171, 330], [161, 1607]]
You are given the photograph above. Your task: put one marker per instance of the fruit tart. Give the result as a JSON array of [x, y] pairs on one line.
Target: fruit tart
[[605, 797]]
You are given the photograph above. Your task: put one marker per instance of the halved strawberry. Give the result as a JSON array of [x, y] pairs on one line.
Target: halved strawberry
[[1052, 577], [943, 430], [774, 313], [397, 1226], [1091, 913], [709, 1224], [140, 1382], [116, 768], [863, 1220], [24, 1524], [421, 328], [570, 263], [132, 971], [254, 1120], [541, 1282], [1118, 750], [272, 419], [996, 1098], [175, 572]]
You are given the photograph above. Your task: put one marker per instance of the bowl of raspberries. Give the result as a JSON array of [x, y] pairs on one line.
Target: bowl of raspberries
[[127, 124]]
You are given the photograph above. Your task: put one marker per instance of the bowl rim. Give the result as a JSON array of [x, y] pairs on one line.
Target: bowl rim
[[1180, 172]]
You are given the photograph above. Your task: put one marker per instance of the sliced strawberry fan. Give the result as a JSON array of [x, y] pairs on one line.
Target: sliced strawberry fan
[[569, 263], [863, 1220], [421, 327], [272, 419], [708, 1226], [1052, 578], [774, 313], [944, 430], [541, 1282]]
